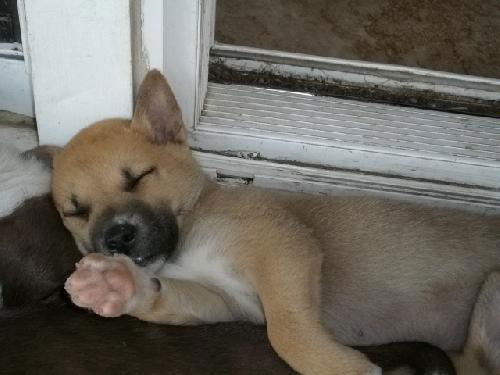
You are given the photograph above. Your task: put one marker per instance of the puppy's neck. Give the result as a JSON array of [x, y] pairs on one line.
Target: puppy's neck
[[206, 188]]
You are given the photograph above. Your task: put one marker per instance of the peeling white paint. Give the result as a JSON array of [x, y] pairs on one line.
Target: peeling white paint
[[361, 72]]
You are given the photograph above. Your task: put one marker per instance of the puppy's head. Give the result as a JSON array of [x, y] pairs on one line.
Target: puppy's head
[[121, 186]]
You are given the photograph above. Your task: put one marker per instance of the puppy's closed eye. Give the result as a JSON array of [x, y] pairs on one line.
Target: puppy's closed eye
[[82, 213], [132, 180], [79, 210]]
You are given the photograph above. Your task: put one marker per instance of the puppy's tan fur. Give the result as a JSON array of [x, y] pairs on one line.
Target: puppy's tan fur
[[325, 272]]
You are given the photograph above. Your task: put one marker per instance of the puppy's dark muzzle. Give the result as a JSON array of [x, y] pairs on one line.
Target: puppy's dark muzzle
[[143, 233], [120, 238]]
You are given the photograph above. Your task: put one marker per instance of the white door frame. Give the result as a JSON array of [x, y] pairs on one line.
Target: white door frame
[[175, 37], [89, 71], [80, 60], [86, 56]]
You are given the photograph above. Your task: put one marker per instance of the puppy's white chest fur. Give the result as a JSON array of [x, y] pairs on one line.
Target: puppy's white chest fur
[[201, 260]]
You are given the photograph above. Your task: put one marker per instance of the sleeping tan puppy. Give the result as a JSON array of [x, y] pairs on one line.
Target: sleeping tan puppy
[[37, 254], [322, 273]]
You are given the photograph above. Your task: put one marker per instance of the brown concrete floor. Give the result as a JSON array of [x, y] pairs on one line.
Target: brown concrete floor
[[460, 36]]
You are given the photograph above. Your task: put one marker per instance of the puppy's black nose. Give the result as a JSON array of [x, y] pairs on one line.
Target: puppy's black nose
[[120, 238]]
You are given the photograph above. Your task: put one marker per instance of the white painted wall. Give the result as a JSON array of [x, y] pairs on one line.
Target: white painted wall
[[15, 88], [16, 93], [80, 54]]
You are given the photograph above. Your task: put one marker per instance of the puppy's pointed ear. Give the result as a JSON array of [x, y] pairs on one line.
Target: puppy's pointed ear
[[157, 113]]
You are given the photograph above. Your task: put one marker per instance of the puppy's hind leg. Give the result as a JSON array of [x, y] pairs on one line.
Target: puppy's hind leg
[[481, 354]]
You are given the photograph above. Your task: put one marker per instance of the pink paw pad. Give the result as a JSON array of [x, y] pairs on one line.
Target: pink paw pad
[[103, 284]]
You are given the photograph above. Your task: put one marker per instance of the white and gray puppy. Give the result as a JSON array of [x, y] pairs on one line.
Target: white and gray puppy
[[22, 176], [37, 253]]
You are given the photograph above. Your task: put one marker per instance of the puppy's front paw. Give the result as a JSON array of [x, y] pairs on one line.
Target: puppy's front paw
[[106, 285]]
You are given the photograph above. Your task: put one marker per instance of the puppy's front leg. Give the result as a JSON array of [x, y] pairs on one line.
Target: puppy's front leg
[[289, 288], [114, 286]]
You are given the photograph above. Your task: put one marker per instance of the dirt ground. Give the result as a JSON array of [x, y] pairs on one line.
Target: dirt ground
[[460, 36]]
